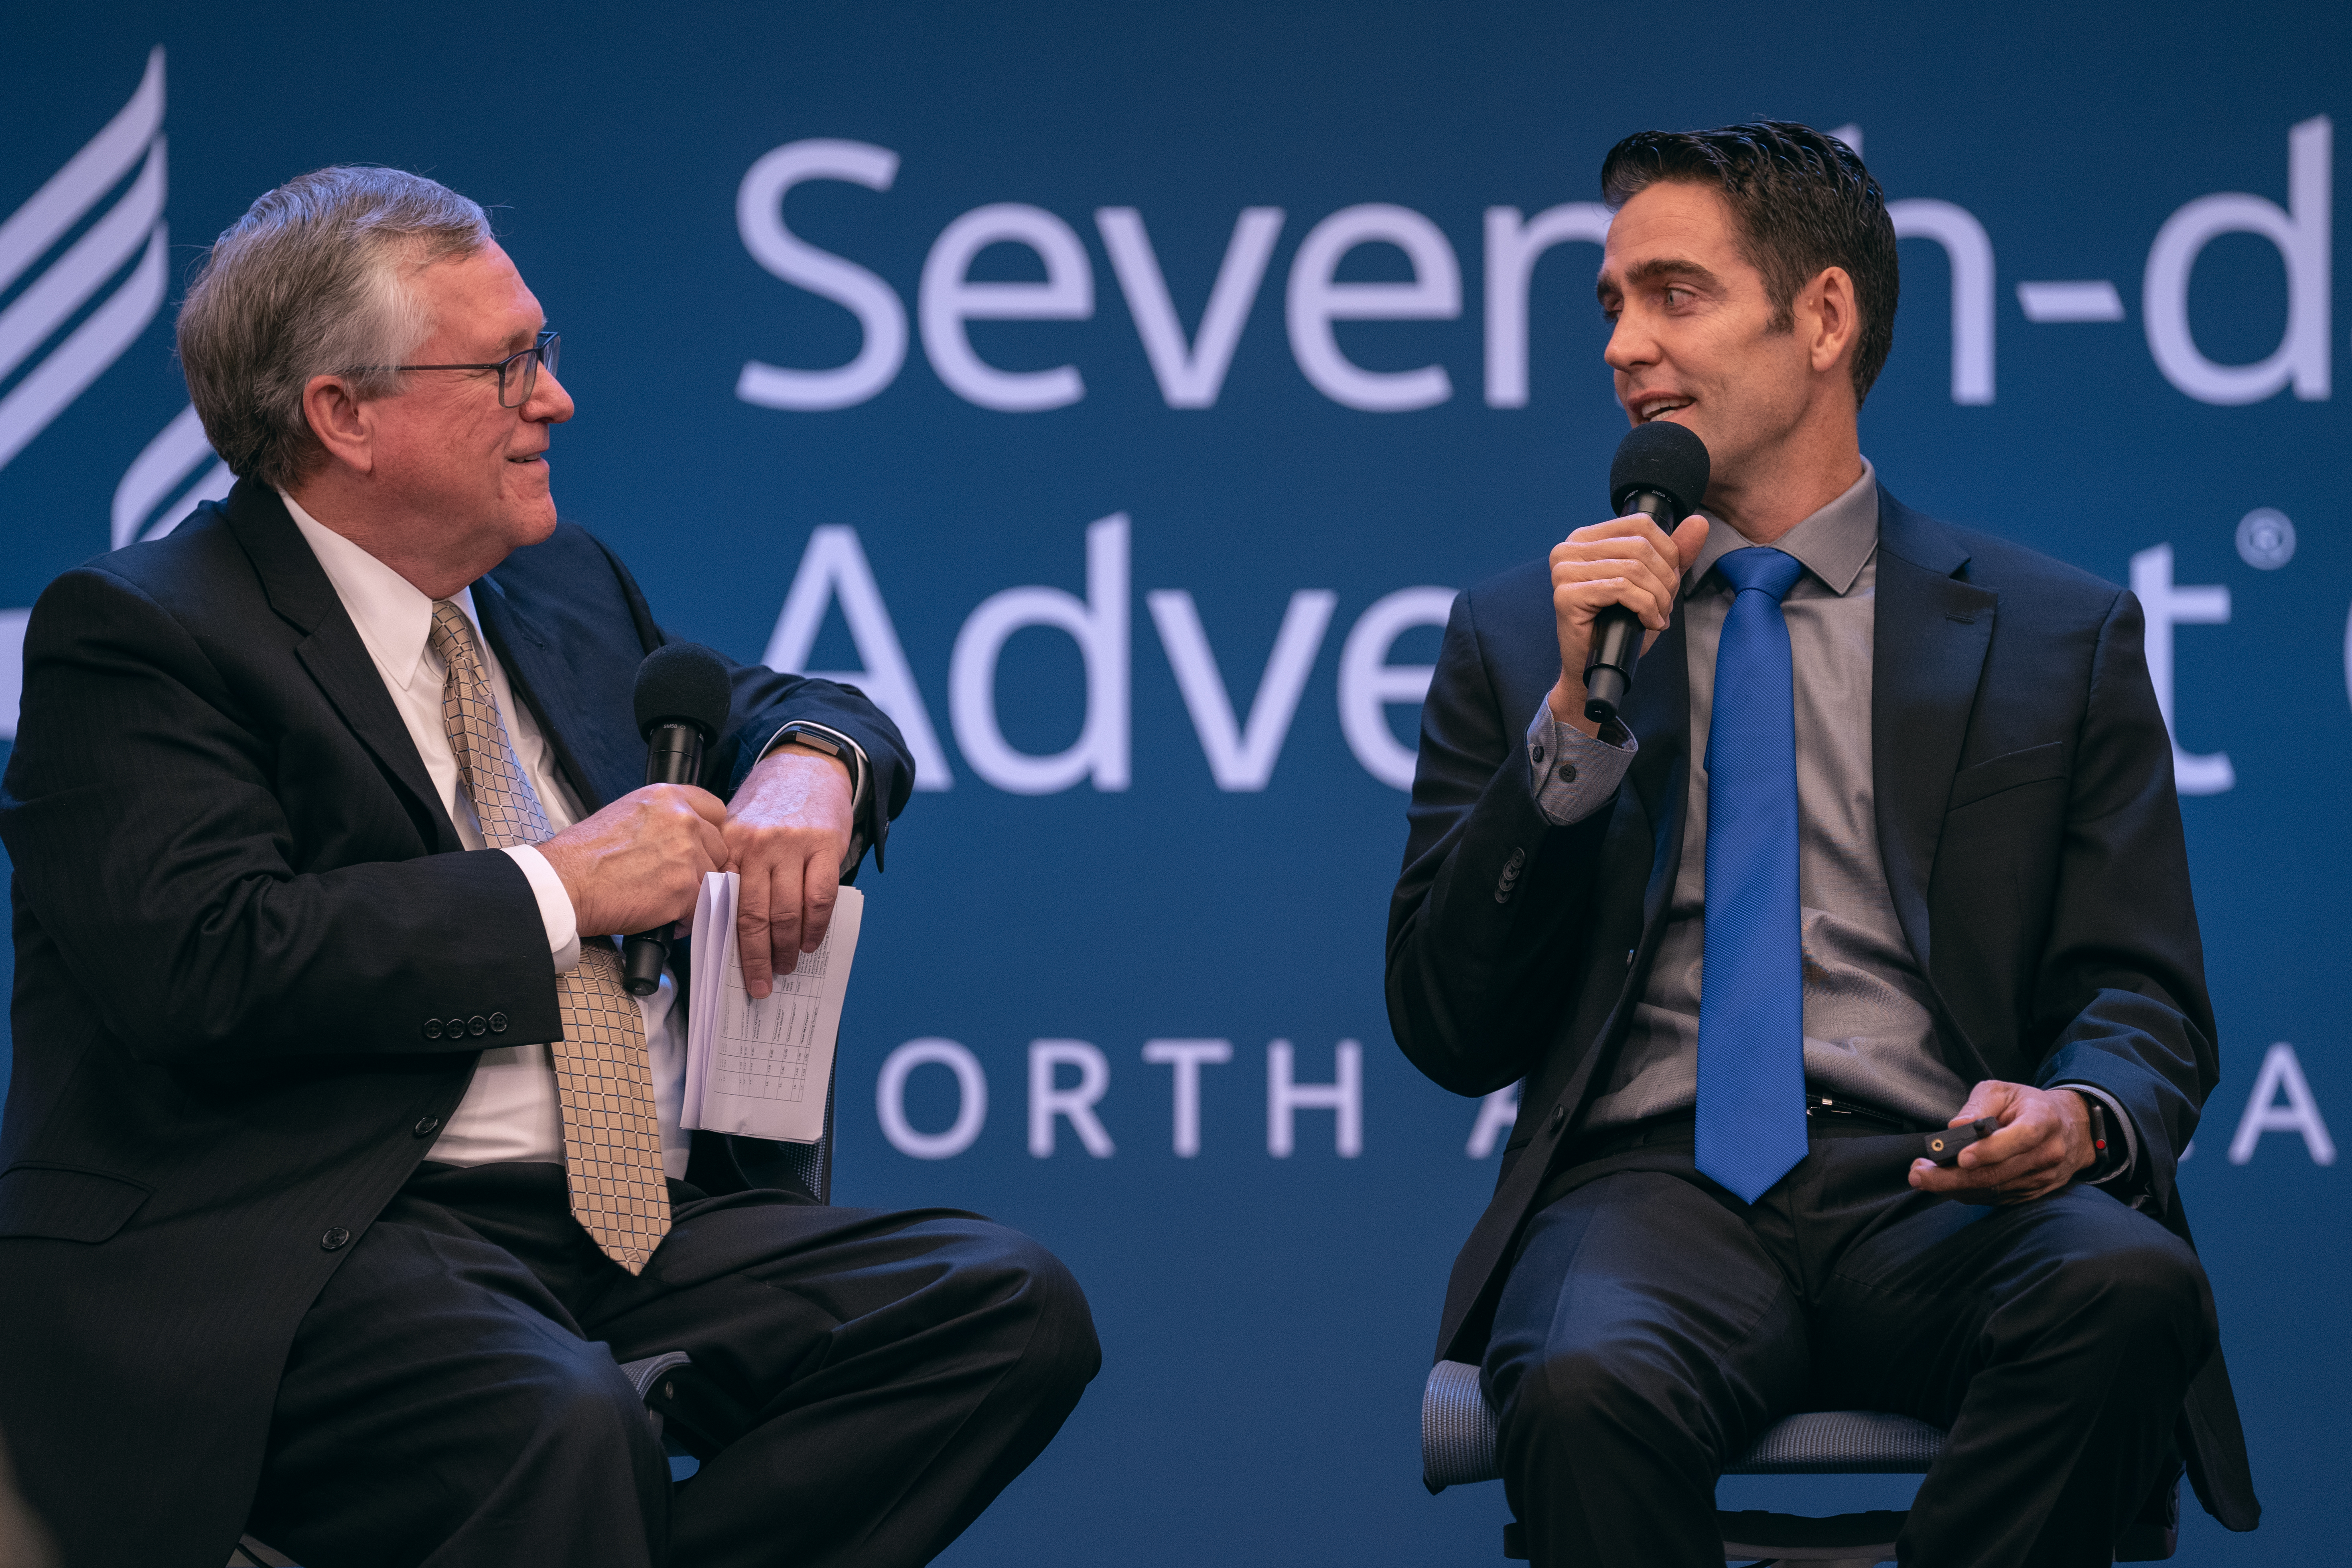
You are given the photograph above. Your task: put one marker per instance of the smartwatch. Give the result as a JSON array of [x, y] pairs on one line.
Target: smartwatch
[[824, 740], [2107, 1156]]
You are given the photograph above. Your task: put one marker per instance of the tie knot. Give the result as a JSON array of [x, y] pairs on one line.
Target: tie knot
[[1770, 571], [451, 637]]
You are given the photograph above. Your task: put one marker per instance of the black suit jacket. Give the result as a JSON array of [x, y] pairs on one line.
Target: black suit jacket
[[2032, 847], [238, 904]]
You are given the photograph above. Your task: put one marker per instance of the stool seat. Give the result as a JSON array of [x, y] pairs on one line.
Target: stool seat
[[1457, 1438]]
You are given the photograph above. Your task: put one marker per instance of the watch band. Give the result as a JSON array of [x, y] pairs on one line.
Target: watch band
[[2104, 1156], [825, 741]]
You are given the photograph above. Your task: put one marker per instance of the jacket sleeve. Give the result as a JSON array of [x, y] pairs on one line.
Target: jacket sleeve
[[1492, 897], [2120, 999], [140, 808]]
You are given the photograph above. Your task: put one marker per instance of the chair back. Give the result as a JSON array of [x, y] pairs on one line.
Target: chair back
[[812, 1162]]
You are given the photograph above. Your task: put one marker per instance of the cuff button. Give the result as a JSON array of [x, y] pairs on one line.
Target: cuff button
[[497, 1022], [432, 1029], [477, 1025]]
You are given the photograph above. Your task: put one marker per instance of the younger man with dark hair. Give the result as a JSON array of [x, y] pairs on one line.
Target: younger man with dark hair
[[1891, 814]]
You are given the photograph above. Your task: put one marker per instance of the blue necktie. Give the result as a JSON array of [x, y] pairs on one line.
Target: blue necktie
[[1752, 1012]]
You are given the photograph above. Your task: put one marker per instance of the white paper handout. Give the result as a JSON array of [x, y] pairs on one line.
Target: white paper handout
[[760, 1066]]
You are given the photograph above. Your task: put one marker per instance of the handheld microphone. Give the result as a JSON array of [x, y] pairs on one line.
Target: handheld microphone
[[684, 692], [1660, 471]]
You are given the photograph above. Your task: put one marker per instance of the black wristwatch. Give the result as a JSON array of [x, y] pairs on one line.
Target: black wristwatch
[[2106, 1151], [825, 741]]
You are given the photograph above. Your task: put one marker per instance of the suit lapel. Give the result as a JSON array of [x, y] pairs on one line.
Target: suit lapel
[[298, 590], [593, 758], [1659, 707], [1932, 632]]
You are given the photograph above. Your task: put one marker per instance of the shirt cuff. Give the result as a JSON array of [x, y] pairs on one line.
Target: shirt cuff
[[1575, 774], [2117, 1124], [555, 909]]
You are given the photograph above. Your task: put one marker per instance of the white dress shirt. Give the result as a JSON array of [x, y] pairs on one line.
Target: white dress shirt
[[511, 1111]]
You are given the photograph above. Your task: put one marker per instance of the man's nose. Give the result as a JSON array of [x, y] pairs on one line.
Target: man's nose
[[548, 400], [1630, 343]]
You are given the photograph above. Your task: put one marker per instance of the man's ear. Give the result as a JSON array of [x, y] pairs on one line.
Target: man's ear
[[1828, 319], [343, 424]]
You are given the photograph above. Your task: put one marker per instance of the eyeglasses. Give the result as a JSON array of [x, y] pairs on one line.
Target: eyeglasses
[[518, 374]]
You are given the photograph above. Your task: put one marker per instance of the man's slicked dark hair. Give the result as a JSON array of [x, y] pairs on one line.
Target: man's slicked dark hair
[[1802, 202]]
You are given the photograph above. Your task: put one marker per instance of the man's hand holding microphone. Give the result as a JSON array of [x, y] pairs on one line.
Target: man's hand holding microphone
[[1628, 561], [1619, 578], [637, 865]]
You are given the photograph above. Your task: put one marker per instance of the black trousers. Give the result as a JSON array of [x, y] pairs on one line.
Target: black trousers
[[453, 1398], [1652, 1326]]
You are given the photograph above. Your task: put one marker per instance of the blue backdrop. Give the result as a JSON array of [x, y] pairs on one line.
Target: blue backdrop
[[1103, 383]]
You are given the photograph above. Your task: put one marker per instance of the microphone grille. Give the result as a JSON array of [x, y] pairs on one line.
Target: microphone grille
[[1661, 456], [684, 683]]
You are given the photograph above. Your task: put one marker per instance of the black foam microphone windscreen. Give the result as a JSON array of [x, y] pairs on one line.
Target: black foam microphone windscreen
[[684, 683], [1664, 458]]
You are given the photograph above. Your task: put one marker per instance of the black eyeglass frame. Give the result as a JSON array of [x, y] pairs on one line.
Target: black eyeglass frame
[[545, 352]]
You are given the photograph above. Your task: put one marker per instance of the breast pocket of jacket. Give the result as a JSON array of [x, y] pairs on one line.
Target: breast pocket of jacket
[[63, 1203], [2009, 771]]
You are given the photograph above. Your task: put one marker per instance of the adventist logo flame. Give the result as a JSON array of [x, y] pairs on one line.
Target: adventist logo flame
[[130, 234]]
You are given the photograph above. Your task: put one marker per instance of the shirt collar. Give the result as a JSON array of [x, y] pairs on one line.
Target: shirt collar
[[1832, 544], [394, 618]]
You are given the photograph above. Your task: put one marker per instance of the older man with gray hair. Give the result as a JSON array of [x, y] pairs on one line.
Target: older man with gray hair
[[339, 1171]]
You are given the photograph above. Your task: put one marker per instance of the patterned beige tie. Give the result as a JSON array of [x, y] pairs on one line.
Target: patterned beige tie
[[612, 1142]]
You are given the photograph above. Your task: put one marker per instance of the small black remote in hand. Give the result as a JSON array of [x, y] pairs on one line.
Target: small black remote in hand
[[1943, 1146]]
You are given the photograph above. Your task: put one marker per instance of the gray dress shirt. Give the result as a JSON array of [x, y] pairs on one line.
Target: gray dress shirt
[[1870, 1029]]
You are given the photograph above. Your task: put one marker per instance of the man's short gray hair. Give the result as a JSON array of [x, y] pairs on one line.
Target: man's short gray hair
[[315, 279]]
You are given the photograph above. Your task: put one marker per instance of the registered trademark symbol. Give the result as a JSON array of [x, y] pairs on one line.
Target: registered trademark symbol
[[2265, 539]]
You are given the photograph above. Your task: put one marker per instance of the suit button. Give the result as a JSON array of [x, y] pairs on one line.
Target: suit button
[[334, 1240], [1559, 1120], [1510, 876], [1567, 773], [427, 1125], [497, 1022], [432, 1029], [477, 1025]]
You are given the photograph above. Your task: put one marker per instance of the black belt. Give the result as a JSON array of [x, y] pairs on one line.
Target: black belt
[[1825, 1117]]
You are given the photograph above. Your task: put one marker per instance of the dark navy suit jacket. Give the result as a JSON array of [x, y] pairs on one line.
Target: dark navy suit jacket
[[2032, 845], [238, 905]]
